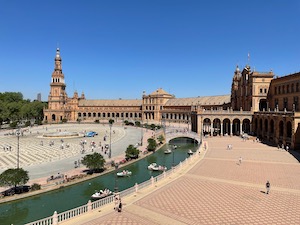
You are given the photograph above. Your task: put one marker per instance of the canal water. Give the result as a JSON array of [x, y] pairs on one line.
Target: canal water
[[38, 207]]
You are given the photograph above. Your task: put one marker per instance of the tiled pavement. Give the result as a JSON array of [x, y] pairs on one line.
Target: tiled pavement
[[217, 190]]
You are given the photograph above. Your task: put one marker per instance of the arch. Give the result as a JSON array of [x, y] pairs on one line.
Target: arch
[[53, 117], [94, 114], [216, 127], [263, 105], [266, 126], [104, 115], [236, 127], [272, 126], [259, 129], [113, 115], [89, 114], [246, 126], [281, 128], [206, 126], [226, 127], [84, 114], [79, 114], [289, 129]]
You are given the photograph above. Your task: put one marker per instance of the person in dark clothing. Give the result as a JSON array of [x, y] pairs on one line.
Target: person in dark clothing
[[268, 185], [120, 207]]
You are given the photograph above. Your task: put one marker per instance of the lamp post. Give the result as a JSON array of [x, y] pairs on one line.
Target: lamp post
[[116, 179], [109, 154], [142, 133], [18, 133]]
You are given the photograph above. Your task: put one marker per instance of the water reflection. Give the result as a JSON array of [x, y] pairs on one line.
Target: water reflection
[[38, 207]]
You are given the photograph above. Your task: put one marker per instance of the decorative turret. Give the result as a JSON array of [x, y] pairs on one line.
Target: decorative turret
[[82, 96]]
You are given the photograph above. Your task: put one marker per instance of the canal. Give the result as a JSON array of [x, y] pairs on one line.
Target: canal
[[41, 206]]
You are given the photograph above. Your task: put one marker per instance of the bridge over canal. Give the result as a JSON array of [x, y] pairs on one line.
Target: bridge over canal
[[179, 132]]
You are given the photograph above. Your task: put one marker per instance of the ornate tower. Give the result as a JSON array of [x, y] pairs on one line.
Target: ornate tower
[[57, 98]]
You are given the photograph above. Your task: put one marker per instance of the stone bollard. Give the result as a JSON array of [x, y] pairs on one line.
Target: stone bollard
[[89, 206], [152, 180], [55, 218], [136, 187]]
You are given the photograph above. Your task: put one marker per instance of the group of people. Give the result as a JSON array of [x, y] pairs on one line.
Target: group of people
[[287, 148]]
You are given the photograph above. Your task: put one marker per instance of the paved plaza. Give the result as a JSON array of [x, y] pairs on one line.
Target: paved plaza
[[217, 189], [42, 160]]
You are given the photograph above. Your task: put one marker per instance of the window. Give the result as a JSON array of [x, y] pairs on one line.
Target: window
[[292, 88], [285, 103], [296, 104], [297, 87], [279, 90], [265, 90], [260, 90], [287, 88], [275, 90], [276, 103]]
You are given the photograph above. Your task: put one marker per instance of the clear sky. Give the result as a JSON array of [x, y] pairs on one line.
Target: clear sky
[[119, 48]]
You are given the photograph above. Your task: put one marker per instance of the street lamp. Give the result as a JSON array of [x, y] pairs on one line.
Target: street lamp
[[116, 180], [109, 155], [173, 152], [18, 133], [142, 133]]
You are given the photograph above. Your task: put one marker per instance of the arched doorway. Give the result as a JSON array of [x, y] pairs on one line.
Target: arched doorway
[[216, 127], [206, 126], [263, 105], [226, 127], [53, 117], [246, 126], [236, 127]]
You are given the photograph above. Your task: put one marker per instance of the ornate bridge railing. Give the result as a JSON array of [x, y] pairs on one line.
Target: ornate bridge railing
[[172, 133]]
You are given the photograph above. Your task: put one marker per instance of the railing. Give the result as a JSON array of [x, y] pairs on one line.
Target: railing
[[90, 206]]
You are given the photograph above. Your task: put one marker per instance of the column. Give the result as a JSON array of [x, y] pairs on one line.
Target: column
[[221, 128], [211, 129], [230, 129], [241, 128]]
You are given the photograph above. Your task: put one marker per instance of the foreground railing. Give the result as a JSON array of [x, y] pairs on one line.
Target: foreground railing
[[90, 206]]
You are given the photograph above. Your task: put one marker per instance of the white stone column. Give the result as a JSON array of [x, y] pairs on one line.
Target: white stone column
[[241, 128], [221, 129]]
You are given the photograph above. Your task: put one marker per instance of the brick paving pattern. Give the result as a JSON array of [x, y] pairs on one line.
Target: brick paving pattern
[[217, 190]]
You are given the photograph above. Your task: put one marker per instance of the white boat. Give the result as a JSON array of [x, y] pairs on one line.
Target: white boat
[[124, 173], [101, 194], [155, 167], [168, 151], [174, 146], [190, 152]]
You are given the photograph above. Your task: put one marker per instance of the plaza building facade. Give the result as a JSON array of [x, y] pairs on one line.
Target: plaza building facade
[[259, 104]]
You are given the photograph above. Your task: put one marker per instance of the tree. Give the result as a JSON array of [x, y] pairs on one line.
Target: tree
[[137, 123], [132, 152], [151, 144], [111, 121], [94, 161], [161, 139], [14, 177]]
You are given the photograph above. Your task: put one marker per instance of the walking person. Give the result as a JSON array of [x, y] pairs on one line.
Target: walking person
[[240, 160], [268, 185]]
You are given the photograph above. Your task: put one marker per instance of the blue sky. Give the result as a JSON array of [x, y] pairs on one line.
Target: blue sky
[[120, 48]]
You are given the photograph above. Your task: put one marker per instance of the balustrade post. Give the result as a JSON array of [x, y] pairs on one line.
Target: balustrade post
[[89, 206], [152, 181], [55, 218], [136, 187]]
